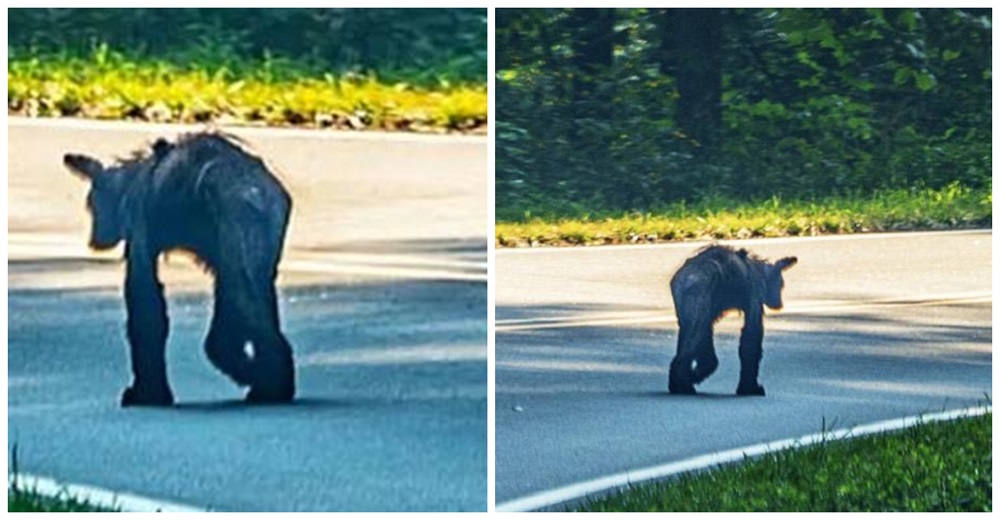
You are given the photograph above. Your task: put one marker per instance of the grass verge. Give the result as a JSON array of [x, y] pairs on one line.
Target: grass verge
[[946, 466], [22, 497], [952, 207], [106, 85], [20, 500]]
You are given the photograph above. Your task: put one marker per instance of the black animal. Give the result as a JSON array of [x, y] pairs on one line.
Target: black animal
[[715, 280], [204, 194]]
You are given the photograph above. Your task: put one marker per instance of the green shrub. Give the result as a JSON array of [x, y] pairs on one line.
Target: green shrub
[[108, 85], [951, 207]]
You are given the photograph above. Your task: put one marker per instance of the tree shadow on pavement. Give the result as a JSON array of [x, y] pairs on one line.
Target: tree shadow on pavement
[[933, 345], [379, 340]]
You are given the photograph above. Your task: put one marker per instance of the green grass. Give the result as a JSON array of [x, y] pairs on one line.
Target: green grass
[[22, 497], [930, 467], [20, 500], [106, 85], [952, 207]]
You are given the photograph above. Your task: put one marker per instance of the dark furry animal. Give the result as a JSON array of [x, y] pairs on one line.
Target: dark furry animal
[[206, 195], [716, 280]]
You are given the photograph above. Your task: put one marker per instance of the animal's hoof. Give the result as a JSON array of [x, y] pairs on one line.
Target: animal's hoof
[[681, 389], [271, 395], [142, 396], [752, 389]]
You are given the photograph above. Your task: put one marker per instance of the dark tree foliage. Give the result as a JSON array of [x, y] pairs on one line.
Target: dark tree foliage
[[453, 40], [741, 103]]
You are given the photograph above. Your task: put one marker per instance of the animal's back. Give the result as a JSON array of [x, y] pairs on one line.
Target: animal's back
[[211, 196], [221, 172], [710, 279], [703, 269]]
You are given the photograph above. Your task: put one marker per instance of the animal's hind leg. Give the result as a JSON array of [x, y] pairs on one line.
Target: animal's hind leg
[[226, 341], [251, 247], [682, 373], [706, 360], [250, 278], [273, 366]]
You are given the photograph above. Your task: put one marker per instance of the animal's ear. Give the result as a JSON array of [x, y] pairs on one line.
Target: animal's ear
[[786, 262], [161, 148], [82, 165]]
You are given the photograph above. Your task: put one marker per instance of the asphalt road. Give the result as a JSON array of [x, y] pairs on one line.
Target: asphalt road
[[371, 204], [383, 298], [874, 328]]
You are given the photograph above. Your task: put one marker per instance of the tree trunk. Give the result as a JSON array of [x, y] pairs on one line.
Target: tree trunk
[[692, 53], [592, 59]]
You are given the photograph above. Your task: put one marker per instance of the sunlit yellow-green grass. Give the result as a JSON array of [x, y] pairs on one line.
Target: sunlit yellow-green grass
[[930, 467], [161, 92], [947, 208]]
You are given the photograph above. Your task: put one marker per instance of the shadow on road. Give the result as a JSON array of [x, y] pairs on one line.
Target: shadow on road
[[880, 350], [389, 340], [667, 395], [311, 404], [457, 246], [569, 310]]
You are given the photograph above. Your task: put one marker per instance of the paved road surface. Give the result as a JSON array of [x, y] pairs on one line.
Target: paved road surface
[[874, 328], [383, 298], [399, 205]]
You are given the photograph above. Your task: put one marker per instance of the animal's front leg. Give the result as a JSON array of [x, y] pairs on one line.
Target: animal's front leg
[[147, 334], [751, 350]]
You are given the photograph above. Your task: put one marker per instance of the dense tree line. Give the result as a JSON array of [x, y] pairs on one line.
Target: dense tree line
[[447, 40], [628, 108]]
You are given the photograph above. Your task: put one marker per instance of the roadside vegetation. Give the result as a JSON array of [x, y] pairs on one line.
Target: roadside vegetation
[[952, 207], [427, 73], [25, 499], [30, 501], [644, 125], [945, 466], [107, 85]]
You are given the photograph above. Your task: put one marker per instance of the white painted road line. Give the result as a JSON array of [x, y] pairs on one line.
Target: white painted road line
[[694, 244], [554, 497], [98, 496], [644, 317]]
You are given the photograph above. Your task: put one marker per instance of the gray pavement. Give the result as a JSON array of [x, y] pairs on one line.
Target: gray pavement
[[351, 192], [383, 297], [874, 328]]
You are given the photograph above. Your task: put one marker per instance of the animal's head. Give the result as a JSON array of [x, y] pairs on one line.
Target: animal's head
[[107, 196], [104, 200], [774, 281]]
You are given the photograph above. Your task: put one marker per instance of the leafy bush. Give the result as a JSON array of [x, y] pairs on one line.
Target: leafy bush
[[413, 45]]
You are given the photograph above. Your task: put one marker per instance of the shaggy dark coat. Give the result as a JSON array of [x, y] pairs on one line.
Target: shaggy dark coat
[[718, 279], [204, 194]]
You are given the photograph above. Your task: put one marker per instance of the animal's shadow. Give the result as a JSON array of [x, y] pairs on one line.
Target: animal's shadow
[[309, 404], [663, 394]]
